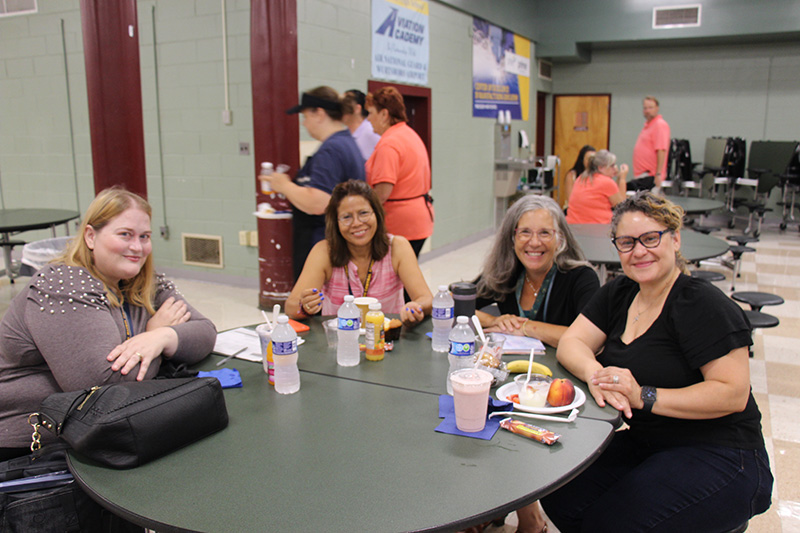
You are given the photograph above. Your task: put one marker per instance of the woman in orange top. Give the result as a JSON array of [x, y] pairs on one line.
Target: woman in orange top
[[399, 169], [597, 191]]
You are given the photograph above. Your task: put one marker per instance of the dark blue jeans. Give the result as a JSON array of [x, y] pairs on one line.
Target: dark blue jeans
[[699, 488]]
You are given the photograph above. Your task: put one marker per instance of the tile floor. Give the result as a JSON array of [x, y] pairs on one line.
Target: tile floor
[[775, 369]]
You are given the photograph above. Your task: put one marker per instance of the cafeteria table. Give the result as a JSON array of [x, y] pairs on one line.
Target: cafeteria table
[[595, 241], [14, 221], [354, 450], [696, 206]]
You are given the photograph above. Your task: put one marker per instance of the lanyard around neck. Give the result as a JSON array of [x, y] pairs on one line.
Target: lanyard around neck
[[126, 320], [366, 281]]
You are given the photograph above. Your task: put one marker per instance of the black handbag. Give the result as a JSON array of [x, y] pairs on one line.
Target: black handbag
[[127, 424]]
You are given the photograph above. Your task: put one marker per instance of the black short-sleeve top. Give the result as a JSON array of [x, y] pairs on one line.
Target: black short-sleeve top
[[697, 324]]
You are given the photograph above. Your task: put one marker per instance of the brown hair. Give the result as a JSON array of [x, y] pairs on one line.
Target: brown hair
[[390, 99], [107, 205], [337, 245], [653, 98], [324, 92], [657, 208]]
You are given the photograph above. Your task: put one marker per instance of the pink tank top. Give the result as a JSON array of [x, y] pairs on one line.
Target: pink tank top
[[385, 285]]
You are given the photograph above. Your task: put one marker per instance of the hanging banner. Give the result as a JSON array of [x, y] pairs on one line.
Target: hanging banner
[[400, 49], [501, 70]]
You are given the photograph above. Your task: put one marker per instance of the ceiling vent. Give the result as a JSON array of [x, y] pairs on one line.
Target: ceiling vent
[[17, 7], [545, 70], [202, 250], [685, 16]]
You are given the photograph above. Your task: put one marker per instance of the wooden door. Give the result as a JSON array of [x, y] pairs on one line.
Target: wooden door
[[578, 120]]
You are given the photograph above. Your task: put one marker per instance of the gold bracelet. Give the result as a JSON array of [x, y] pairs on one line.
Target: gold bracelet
[[524, 333]]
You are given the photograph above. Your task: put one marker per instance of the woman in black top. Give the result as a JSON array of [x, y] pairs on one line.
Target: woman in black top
[[671, 353], [536, 273]]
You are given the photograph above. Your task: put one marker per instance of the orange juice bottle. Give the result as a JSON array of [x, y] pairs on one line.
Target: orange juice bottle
[[374, 329]]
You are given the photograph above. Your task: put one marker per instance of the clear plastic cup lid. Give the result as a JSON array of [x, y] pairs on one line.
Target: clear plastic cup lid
[[471, 377]]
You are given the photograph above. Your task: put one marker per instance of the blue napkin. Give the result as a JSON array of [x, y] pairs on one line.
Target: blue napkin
[[228, 377], [448, 425]]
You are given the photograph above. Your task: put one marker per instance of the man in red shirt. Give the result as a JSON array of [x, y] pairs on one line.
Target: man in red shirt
[[650, 151]]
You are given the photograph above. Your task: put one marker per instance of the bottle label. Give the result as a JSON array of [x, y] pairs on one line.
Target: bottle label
[[444, 313], [462, 348], [284, 348], [349, 324]]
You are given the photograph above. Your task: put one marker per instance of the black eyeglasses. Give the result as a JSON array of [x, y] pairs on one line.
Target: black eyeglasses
[[651, 239]]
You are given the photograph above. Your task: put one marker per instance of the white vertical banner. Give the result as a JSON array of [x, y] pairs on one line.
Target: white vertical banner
[[400, 37]]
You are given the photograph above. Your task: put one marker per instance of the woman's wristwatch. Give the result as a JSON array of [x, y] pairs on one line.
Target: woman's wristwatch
[[648, 398]]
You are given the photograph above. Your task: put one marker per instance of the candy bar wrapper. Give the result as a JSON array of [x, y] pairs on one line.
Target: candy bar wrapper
[[545, 436]]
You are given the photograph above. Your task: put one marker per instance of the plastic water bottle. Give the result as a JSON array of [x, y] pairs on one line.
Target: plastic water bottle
[[347, 353], [442, 316], [462, 348], [284, 352], [266, 170]]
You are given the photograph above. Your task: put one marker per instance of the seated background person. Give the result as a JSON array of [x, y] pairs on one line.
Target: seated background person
[[597, 191], [671, 353], [97, 315], [536, 273], [578, 169], [358, 257]]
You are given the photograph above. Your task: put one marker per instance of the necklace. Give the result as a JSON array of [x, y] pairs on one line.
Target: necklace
[[530, 284], [655, 301]]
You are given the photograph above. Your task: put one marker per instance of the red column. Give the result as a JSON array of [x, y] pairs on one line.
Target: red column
[[273, 65], [114, 88]]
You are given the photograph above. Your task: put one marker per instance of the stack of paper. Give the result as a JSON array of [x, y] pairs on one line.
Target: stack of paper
[[518, 344]]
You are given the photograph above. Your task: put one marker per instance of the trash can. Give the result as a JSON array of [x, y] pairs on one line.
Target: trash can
[[37, 254]]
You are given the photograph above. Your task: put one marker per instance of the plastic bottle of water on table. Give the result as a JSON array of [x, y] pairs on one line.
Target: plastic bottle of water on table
[[284, 353], [347, 352], [462, 348], [442, 315]]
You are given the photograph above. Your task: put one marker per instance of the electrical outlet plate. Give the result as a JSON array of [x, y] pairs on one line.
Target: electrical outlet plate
[[254, 238], [244, 148], [243, 238]]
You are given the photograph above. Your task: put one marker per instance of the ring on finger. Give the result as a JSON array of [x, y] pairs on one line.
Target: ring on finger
[[615, 379]]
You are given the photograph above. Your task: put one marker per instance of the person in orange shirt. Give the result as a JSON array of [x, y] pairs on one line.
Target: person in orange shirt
[[596, 193], [650, 150], [399, 169]]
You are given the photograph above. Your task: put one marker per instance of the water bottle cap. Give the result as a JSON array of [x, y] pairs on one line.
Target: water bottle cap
[[266, 165], [442, 288], [283, 319], [375, 306], [349, 297], [462, 320]]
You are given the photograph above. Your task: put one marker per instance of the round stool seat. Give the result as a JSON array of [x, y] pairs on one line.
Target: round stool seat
[[708, 275], [738, 250], [761, 320], [741, 240], [705, 230], [757, 300]]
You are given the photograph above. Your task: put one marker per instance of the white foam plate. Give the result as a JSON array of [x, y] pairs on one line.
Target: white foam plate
[[511, 388]]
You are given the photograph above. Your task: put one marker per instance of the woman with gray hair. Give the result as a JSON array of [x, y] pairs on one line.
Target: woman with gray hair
[[536, 273], [596, 192]]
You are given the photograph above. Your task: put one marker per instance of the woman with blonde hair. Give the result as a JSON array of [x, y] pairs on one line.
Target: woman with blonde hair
[[98, 314]]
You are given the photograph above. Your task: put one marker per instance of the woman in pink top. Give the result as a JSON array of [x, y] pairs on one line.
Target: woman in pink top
[[596, 192], [358, 257]]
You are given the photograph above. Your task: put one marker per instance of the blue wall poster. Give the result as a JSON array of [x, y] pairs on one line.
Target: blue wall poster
[[500, 71]]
